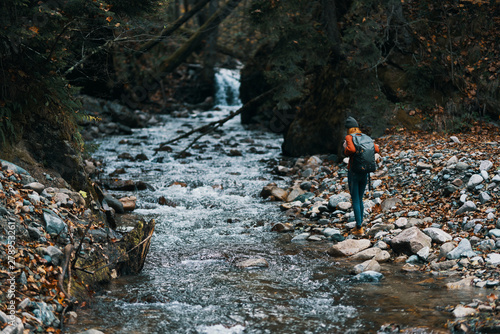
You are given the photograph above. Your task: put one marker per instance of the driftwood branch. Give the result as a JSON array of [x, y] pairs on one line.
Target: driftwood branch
[[103, 47], [68, 250], [207, 128], [80, 245], [114, 261]]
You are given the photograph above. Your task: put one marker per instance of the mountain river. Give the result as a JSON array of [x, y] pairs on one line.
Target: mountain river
[[190, 283]]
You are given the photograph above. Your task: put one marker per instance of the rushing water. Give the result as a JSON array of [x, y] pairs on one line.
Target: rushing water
[[190, 283]]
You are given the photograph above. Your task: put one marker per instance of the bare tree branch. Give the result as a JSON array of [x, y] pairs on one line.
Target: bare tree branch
[[184, 51], [207, 128], [167, 31]]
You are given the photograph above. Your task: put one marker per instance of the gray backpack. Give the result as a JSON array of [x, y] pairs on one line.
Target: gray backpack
[[363, 161]]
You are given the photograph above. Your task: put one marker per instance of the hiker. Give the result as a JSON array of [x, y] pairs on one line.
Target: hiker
[[361, 163]]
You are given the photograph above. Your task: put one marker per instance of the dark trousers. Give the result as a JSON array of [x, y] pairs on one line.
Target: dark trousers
[[357, 184]]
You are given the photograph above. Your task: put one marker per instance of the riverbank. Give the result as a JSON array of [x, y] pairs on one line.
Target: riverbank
[[58, 251], [60, 245], [432, 210]]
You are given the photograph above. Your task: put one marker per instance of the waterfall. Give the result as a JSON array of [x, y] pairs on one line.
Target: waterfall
[[227, 85]]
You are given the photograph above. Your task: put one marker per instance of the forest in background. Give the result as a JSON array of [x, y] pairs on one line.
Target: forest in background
[[390, 63]]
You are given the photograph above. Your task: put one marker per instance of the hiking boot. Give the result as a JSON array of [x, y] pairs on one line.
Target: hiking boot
[[358, 231]]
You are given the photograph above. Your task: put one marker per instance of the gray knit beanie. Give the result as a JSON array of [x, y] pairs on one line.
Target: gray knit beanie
[[350, 123]]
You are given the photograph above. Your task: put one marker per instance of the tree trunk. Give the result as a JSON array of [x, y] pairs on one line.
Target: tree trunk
[[209, 58], [184, 51], [329, 18]]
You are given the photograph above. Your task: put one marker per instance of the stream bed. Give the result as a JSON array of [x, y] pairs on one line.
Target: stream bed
[[214, 219]]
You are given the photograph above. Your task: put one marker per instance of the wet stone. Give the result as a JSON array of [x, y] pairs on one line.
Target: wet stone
[[253, 263], [484, 197], [494, 232], [369, 276], [493, 259], [468, 206], [461, 311], [464, 248], [474, 180], [485, 165], [301, 237], [370, 265]]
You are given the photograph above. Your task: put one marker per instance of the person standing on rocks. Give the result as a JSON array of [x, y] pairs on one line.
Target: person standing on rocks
[[357, 175]]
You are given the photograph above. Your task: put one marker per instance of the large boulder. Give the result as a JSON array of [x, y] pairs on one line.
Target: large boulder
[[410, 241], [374, 253], [349, 247]]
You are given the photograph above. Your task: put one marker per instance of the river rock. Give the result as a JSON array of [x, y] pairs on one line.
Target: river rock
[[368, 276], [334, 200], [389, 203], [464, 283], [464, 248], [294, 193], [6, 165], [303, 197], [484, 197], [461, 311], [370, 265], [53, 223], [493, 259], [437, 235], [445, 265], [306, 186], [36, 186], [452, 161], [462, 165], [344, 206], [485, 165], [253, 263], [424, 253], [349, 247], [379, 228], [468, 206], [333, 234], [382, 245], [114, 203], [16, 328], [282, 227], [274, 191], [55, 254], [128, 203], [494, 232], [301, 237], [455, 139], [410, 241], [401, 223], [474, 181], [127, 185], [374, 253], [43, 312], [34, 233], [445, 249], [423, 166]]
